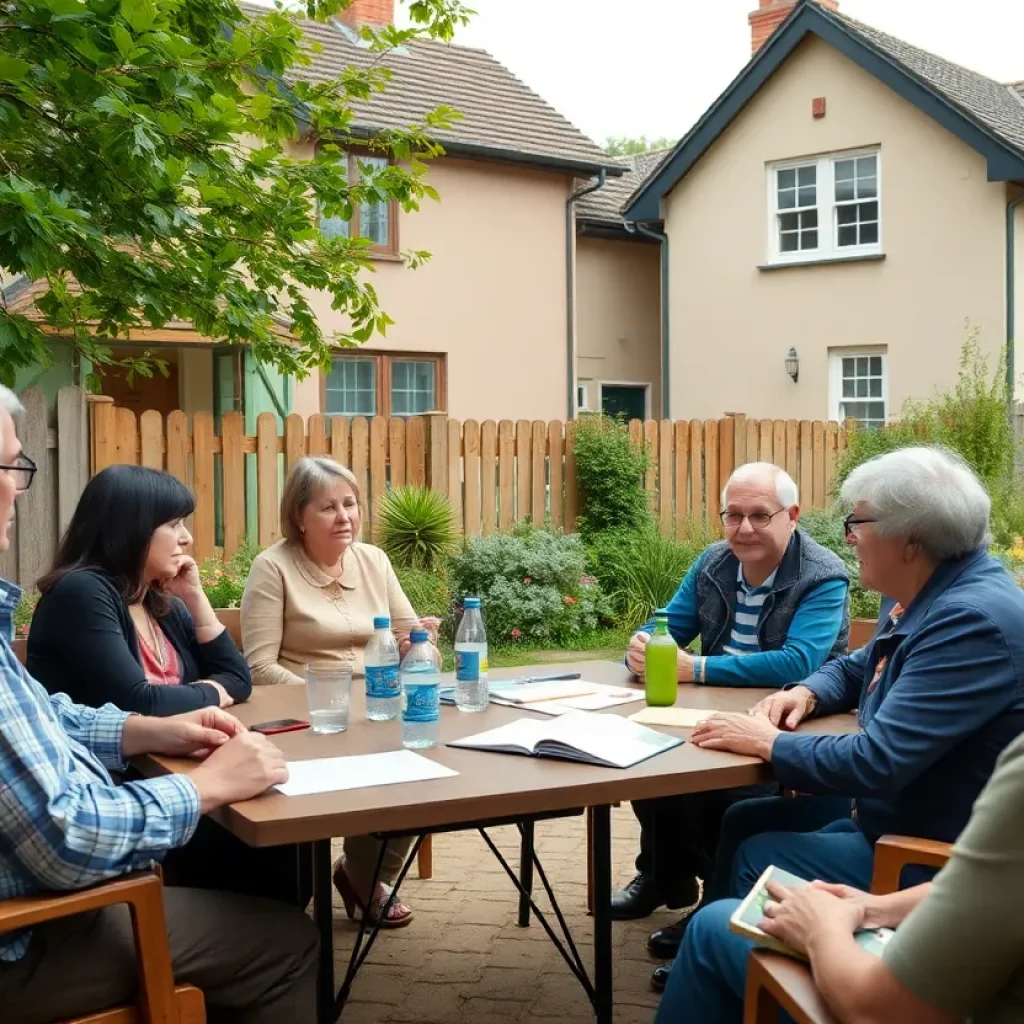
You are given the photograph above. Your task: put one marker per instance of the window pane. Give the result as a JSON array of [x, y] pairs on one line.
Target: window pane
[[789, 221], [809, 240], [848, 383], [412, 387], [862, 366], [869, 234], [867, 166], [875, 387], [867, 188], [809, 219], [789, 242], [844, 191], [351, 387], [848, 236], [849, 367], [847, 215], [787, 198], [807, 175], [875, 366], [807, 196], [334, 227], [845, 170], [787, 178], [868, 211]]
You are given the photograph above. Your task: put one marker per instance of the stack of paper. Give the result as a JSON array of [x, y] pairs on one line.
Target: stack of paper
[[360, 771]]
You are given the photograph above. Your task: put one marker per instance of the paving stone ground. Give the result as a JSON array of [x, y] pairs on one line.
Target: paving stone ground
[[463, 960]]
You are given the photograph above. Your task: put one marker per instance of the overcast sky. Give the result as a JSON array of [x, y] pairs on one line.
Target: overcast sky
[[651, 67]]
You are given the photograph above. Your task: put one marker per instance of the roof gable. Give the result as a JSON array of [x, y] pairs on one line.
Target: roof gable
[[502, 118], [986, 115]]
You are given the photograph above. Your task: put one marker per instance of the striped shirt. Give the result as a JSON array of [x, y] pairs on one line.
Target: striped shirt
[[749, 602], [63, 823]]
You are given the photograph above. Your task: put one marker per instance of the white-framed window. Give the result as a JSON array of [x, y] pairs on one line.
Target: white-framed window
[[582, 396], [859, 385], [825, 207]]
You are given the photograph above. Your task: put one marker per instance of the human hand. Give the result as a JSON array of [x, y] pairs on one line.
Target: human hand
[[226, 700], [246, 766], [431, 624], [877, 911], [635, 654], [736, 733], [186, 582], [787, 708], [799, 917], [195, 734]]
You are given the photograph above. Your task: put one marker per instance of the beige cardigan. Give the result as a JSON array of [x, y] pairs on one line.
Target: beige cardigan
[[293, 613]]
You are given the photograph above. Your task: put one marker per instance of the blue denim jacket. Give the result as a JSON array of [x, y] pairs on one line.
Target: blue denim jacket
[[948, 700]]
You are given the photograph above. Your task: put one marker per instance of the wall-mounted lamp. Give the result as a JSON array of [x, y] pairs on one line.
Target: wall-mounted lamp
[[793, 364]]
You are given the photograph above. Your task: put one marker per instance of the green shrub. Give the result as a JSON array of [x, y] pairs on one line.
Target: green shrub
[[610, 470], [24, 611], [640, 570], [533, 586], [224, 582], [416, 526], [827, 529], [427, 590]]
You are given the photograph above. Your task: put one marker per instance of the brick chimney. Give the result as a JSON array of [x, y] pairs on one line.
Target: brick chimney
[[368, 12], [770, 14]]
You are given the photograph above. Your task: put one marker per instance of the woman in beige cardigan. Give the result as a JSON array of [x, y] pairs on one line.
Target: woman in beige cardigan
[[312, 597]]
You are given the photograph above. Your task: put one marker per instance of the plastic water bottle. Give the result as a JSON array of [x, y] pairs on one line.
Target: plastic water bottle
[[421, 684], [471, 659], [383, 691]]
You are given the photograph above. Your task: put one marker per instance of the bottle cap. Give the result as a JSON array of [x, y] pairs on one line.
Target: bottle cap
[[471, 602], [661, 613], [419, 636], [381, 622]]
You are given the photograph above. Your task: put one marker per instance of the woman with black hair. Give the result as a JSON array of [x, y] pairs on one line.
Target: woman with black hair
[[122, 617]]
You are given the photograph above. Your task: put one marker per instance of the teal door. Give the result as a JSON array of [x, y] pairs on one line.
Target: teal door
[[626, 400]]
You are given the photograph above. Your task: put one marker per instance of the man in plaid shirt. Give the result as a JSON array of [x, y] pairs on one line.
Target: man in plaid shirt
[[65, 825]]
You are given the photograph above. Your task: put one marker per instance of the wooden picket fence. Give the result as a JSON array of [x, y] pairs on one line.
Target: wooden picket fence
[[495, 473]]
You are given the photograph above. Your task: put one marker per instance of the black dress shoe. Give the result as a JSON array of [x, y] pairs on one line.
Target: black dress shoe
[[659, 979], [664, 943], [642, 896]]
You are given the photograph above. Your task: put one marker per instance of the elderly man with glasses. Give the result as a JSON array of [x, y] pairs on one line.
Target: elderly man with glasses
[[939, 694], [770, 607]]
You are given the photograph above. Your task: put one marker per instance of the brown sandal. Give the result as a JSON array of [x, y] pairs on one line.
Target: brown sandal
[[384, 906]]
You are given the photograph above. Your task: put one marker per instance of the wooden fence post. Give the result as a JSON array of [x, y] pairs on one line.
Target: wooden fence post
[[72, 452], [102, 432], [436, 424]]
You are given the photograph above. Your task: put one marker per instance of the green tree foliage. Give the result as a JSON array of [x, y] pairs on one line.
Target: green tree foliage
[[625, 146], [145, 173]]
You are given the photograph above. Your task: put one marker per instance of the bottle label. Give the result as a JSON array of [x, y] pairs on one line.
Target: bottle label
[[470, 666], [421, 703], [382, 681]]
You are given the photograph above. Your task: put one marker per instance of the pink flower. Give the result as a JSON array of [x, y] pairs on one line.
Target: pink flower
[[527, 579], [516, 634], [569, 599]]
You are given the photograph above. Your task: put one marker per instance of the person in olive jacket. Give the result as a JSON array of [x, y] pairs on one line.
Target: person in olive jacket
[[123, 618]]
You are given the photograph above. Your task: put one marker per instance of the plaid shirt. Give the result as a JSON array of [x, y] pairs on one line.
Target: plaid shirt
[[64, 824]]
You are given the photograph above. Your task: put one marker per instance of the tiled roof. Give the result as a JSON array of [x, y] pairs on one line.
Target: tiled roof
[[997, 106], [605, 205], [501, 116]]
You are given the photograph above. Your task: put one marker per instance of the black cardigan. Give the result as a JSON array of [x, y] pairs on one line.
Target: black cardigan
[[83, 642]]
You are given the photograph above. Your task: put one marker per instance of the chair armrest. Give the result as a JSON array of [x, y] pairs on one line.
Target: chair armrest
[[777, 982], [143, 892], [894, 853]]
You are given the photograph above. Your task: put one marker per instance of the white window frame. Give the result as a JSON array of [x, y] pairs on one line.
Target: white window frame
[[828, 247], [625, 384], [583, 396], [835, 387]]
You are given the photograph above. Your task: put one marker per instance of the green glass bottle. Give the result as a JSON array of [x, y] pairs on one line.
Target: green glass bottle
[[661, 660]]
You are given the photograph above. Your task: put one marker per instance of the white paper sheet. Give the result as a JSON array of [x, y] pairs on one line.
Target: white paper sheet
[[679, 718], [603, 697], [360, 771]]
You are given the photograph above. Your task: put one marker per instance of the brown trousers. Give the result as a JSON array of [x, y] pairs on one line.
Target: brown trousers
[[361, 853], [255, 961]]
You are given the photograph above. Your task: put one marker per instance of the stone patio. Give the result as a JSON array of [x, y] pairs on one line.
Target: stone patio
[[463, 959]]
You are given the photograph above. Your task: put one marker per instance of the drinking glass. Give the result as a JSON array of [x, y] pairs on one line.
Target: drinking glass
[[328, 686]]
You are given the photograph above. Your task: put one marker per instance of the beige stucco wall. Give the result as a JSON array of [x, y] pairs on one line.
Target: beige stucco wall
[[618, 315], [943, 233], [492, 298]]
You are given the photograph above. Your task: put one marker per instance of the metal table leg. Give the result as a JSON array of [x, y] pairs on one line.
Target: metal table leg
[[525, 872], [602, 914], [323, 898]]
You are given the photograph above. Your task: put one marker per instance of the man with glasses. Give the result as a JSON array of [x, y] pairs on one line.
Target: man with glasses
[[770, 606]]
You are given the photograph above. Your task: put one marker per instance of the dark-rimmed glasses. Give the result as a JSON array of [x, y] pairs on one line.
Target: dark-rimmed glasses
[[22, 472], [851, 521], [758, 520]]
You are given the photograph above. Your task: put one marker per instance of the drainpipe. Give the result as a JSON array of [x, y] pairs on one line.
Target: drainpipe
[[1011, 296], [660, 236], [570, 290]]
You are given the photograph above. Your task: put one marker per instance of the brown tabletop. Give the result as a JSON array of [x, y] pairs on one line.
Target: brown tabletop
[[489, 785]]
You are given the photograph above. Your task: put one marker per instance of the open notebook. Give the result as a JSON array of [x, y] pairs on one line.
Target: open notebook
[[750, 913], [606, 740]]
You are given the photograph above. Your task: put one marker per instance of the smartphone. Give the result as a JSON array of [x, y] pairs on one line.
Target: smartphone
[[281, 725]]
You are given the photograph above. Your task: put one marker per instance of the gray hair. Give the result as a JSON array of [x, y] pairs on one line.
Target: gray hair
[[9, 401], [929, 495], [310, 476], [786, 489]]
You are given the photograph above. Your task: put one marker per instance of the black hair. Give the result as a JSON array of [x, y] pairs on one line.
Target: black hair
[[114, 522]]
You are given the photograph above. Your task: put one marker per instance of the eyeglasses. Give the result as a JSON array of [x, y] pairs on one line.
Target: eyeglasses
[[758, 520], [851, 521], [22, 472]]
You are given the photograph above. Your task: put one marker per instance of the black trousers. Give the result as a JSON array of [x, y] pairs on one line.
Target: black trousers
[[679, 835]]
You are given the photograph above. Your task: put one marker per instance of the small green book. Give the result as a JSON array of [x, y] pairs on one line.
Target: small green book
[[750, 913]]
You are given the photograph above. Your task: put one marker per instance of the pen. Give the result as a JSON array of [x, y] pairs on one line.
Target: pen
[[544, 679]]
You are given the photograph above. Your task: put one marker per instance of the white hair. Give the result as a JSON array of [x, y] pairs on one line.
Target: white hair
[[786, 489], [929, 495], [9, 401]]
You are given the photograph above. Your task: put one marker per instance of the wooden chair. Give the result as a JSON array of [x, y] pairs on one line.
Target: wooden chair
[[776, 982], [159, 1001]]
